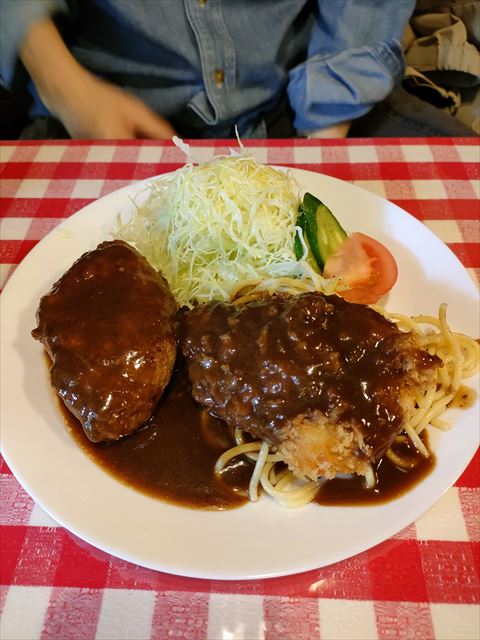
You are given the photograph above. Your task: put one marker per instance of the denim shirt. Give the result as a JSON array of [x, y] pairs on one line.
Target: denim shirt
[[210, 64]]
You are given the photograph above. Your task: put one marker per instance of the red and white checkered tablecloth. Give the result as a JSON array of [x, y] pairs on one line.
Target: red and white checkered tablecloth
[[423, 583]]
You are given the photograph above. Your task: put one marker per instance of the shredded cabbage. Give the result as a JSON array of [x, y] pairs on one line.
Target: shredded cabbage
[[209, 226]]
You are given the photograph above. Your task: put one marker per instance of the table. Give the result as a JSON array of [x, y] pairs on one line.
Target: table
[[423, 583]]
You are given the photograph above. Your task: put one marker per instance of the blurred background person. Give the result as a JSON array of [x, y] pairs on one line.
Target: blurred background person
[[112, 69]]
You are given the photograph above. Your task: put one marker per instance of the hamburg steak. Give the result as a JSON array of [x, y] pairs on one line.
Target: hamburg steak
[[108, 326], [327, 383]]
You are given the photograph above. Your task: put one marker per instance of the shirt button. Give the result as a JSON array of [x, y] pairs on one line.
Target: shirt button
[[219, 77]]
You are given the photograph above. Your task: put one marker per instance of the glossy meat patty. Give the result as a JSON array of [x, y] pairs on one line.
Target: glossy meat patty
[[327, 383], [107, 325]]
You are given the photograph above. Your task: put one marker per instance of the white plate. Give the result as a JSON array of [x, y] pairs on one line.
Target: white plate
[[257, 540]]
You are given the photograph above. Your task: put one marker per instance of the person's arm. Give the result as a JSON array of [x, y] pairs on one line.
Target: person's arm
[[354, 61], [87, 106]]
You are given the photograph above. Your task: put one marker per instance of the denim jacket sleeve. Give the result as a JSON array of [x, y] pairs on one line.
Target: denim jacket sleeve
[[16, 16], [354, 60]]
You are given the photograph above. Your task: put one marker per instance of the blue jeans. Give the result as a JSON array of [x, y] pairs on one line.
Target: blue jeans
[[403, 115]]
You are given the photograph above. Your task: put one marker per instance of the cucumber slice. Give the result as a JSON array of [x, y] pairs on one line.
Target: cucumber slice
[[298, 246], [297, 243], [322, 230]]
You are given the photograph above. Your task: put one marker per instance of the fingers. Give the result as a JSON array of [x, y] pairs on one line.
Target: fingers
[[150, 125]]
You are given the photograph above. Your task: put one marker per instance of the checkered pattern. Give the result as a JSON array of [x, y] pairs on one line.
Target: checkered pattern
[[421, 584]]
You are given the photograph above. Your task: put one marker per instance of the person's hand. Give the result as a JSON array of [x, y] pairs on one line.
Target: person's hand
[[339, 130], [98, 110], [87, 106]]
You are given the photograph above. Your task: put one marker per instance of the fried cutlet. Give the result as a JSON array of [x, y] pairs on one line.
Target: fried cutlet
[[108, 327], [327, 383]]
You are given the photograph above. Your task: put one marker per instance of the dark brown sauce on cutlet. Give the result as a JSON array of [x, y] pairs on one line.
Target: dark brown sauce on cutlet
[[392, 482], [172, 458], [261, 364], [109, 324], [174, 455]]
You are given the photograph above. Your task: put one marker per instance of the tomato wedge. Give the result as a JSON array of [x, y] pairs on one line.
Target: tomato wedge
[[366, 265]]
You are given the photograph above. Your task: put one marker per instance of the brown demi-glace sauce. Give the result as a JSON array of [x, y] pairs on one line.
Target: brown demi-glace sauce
[[173, 458], [392, 481], [464, 398]]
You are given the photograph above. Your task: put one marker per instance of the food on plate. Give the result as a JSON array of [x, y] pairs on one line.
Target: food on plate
[[208, 227], [327, 384], [304, 383], [366, 265], [172, 458], [322, 232], [108, 327], [365, 268]]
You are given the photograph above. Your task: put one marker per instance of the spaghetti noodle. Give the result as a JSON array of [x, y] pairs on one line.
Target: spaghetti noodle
[[460, 357]]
